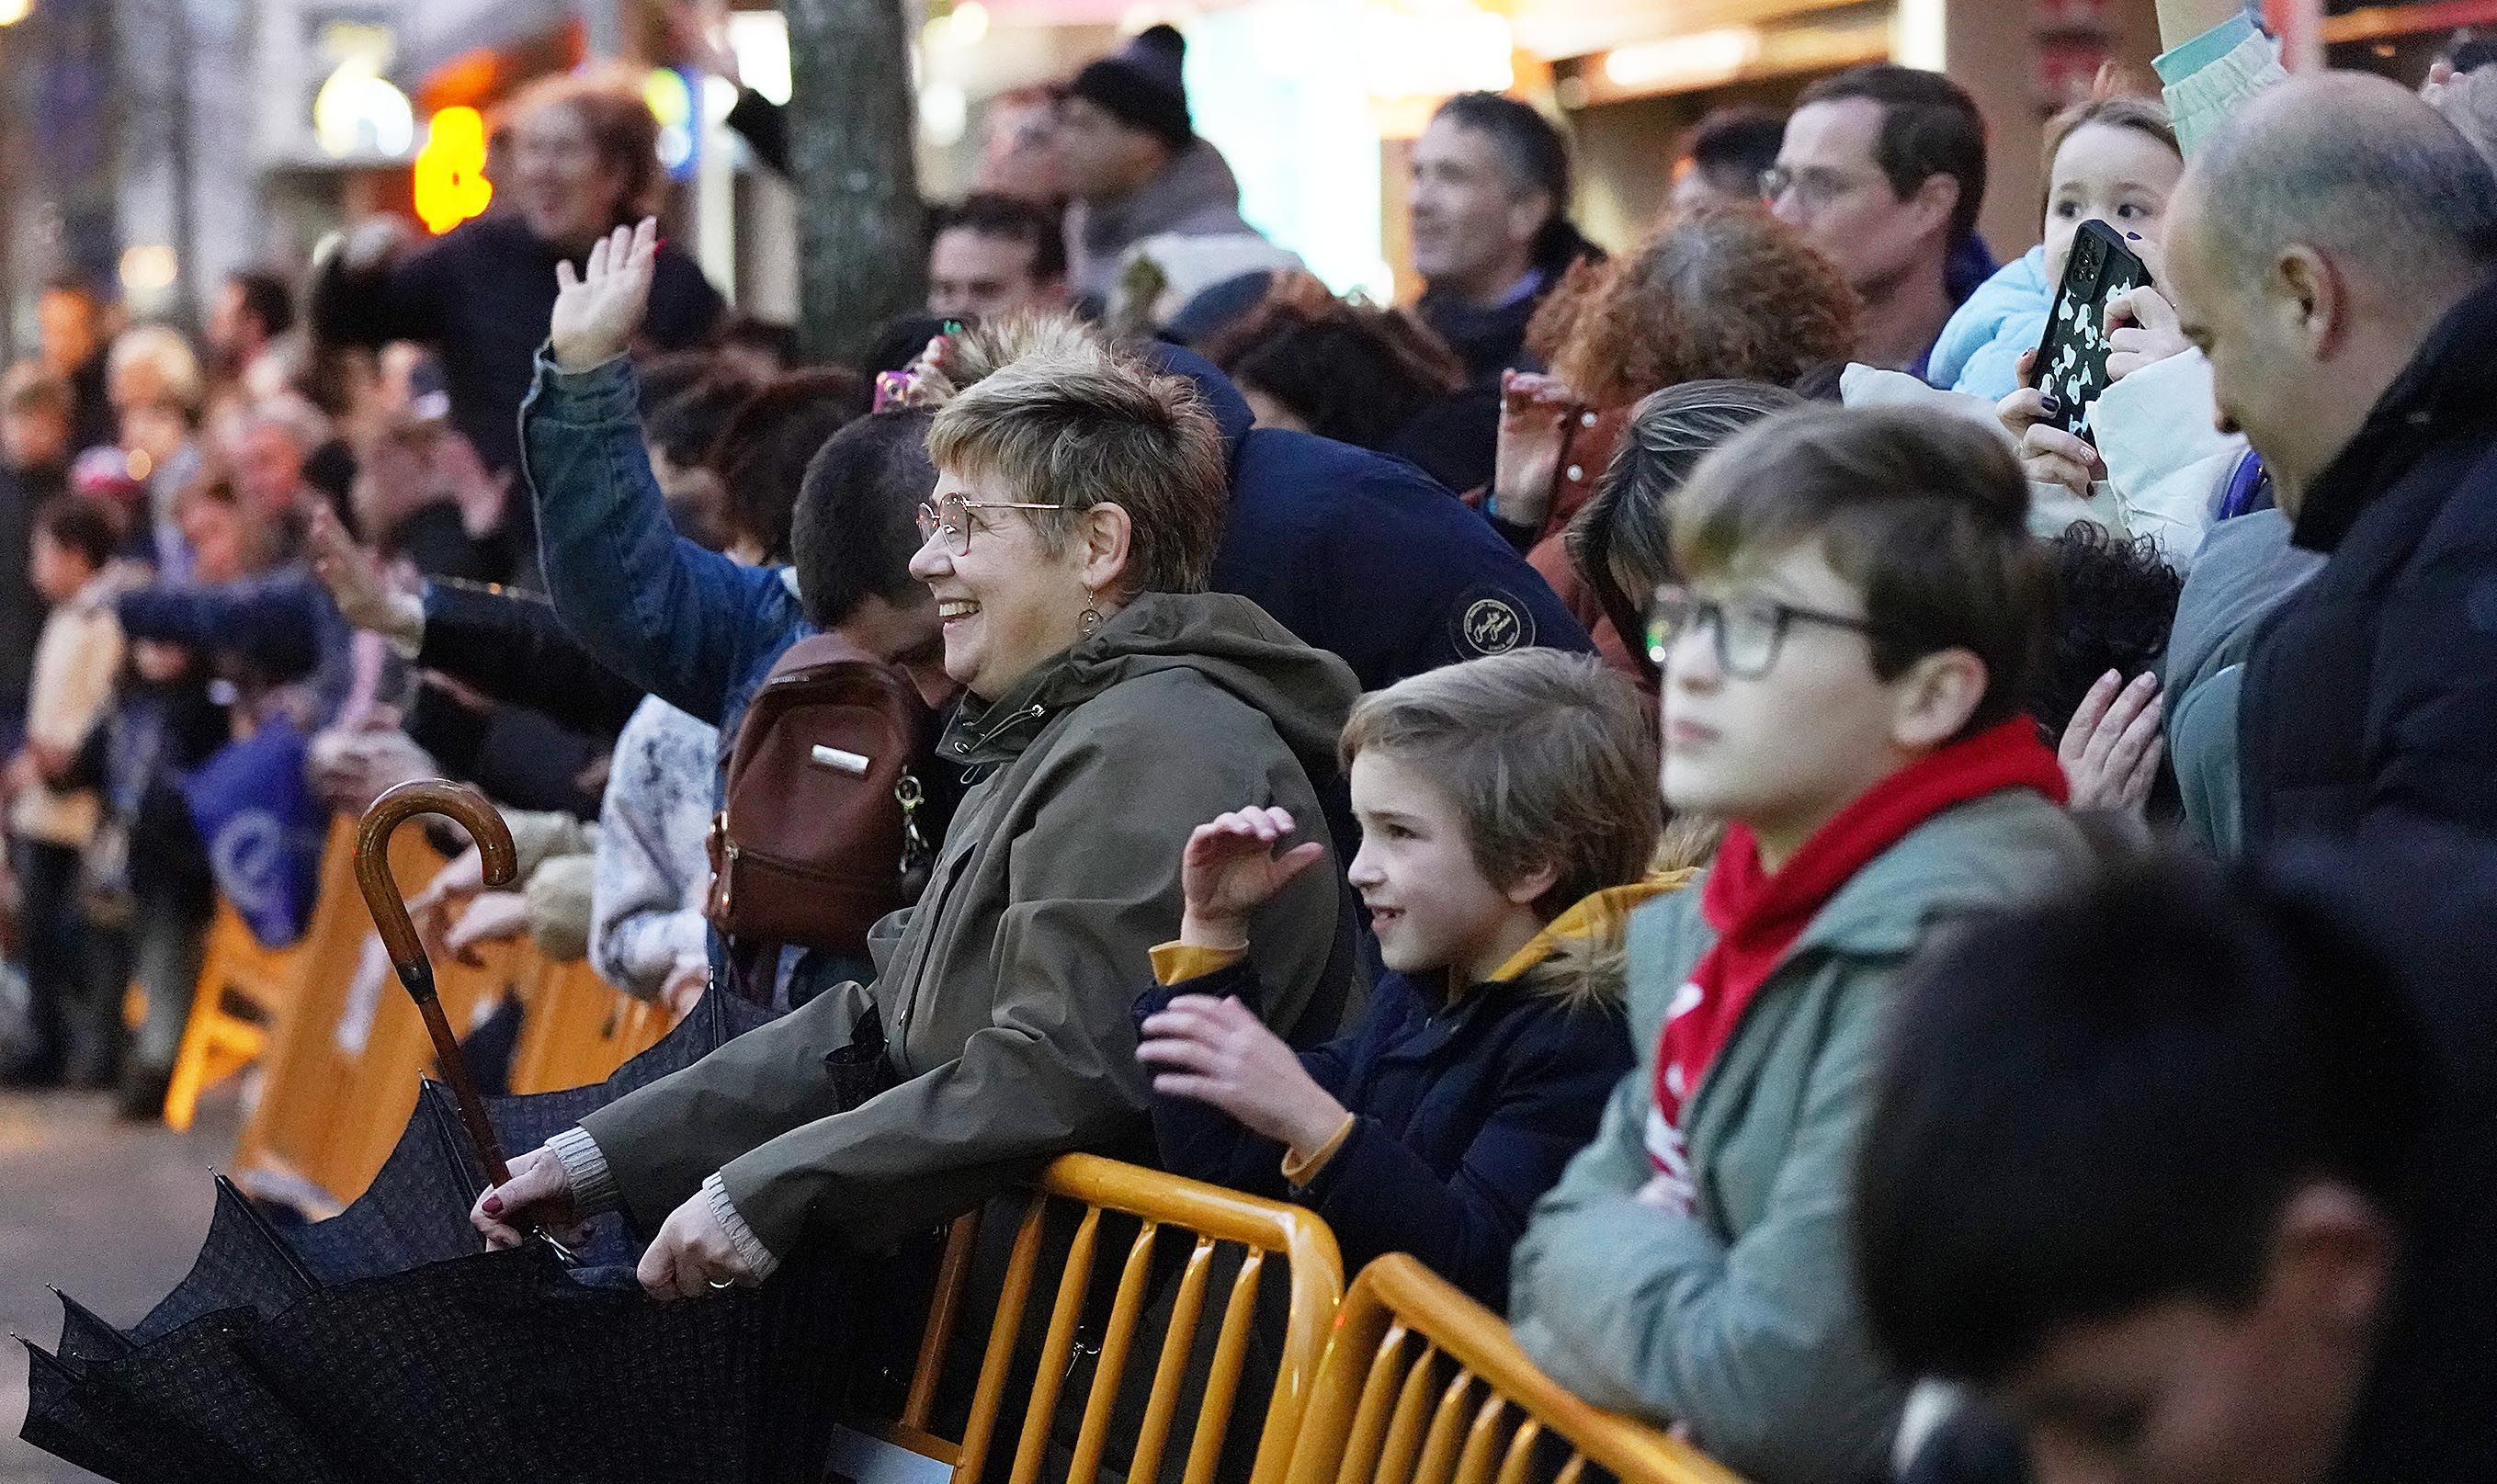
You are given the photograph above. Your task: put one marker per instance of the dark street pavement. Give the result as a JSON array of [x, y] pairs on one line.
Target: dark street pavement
[[108, 1212]]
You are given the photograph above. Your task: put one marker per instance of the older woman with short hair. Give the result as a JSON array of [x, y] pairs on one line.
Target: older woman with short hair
[[1111, 704]]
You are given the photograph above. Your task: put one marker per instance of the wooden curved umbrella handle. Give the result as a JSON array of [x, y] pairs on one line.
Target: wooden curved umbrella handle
[[456, 802], [460, 802]]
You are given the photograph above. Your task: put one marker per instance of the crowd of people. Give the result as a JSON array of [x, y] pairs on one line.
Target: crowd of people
[[1885, 927]]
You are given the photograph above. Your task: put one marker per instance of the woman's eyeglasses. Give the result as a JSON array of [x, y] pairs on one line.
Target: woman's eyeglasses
[[1748, 631], [951, 517]]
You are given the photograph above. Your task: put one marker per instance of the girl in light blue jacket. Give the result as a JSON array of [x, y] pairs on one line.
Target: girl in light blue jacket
[[2112, 159]]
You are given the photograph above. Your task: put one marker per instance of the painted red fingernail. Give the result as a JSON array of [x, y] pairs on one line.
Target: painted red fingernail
[[494, 1205]]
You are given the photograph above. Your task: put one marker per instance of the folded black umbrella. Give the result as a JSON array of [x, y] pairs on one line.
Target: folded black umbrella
[[381, 1345]]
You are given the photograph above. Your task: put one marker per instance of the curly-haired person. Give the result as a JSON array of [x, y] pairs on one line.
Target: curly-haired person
[[1721, 293]]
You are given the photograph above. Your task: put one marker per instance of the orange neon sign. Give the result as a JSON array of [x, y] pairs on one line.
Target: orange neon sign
[[451, 184]]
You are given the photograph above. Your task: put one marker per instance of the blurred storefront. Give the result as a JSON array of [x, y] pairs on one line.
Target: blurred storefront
[[158, 143]]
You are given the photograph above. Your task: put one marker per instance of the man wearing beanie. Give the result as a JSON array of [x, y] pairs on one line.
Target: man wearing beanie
[[1134, 164]]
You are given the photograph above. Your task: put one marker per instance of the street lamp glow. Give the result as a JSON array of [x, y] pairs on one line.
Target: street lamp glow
[[13, 12]]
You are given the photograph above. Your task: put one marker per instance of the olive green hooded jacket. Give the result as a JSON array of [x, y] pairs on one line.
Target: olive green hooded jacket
[[1003, 1002]]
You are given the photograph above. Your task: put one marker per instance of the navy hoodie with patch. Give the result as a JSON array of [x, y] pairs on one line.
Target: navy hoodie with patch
[[1367, 555]]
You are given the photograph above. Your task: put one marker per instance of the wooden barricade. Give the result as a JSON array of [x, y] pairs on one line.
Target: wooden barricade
[[1423, 1386], [246, 992], [576, 1029], [342, 1058]]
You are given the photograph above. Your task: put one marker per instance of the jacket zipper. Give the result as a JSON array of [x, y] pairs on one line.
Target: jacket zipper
[[918, 971], [1031, 713]]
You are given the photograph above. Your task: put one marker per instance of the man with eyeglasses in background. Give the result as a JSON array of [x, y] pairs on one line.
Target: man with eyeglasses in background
[[1882, 170]]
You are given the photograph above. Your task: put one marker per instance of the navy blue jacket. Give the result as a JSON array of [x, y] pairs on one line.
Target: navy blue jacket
[[1467, 1114], [1367, 555], [282, 621], [2370, 696]]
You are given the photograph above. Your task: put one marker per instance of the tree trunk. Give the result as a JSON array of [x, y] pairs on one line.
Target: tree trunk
[[862, 256]]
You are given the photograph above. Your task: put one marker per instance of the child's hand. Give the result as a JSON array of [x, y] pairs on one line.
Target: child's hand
[[1231, 868], [1215, 1052], [596, 314], [2048, 455], [2143, 330]]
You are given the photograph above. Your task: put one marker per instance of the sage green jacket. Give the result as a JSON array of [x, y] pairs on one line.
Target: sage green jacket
[[1742, 1319], [1005, 1000]]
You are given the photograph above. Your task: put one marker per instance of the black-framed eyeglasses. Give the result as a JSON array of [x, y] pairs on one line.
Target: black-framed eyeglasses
[[1748, 631], [952, 517]]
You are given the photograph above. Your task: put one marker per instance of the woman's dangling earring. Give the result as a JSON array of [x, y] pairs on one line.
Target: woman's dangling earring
[[1091, 618]]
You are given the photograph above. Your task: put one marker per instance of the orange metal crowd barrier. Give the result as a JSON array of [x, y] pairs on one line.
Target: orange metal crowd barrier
[[1423, 1386], [1404, 1380]]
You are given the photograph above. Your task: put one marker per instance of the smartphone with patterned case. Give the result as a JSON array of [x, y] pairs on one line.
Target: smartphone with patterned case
[[2072, 358]]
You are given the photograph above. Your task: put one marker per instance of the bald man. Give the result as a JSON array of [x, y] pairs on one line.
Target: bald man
[[2333, 251]]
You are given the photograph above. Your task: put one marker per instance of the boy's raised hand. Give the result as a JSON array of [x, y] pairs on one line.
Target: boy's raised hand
[[1233, 865], [597, 313]]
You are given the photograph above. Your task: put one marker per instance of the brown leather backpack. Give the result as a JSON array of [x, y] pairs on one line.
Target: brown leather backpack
[[817, 835]]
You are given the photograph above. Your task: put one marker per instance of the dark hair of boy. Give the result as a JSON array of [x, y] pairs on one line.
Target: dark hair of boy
[[768, 338], [686, 426], [268, 298], [1622, 542], [1733, 147], [1531, 153], [1927, 516], [664, 378], [762, 455], [2102, 1102], [79, 526], [857, 523], [2115, 604], [992, 214], [1353, 372], [1930, 126]]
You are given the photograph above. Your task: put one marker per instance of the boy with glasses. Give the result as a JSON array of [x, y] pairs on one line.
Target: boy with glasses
[[1843, 668]]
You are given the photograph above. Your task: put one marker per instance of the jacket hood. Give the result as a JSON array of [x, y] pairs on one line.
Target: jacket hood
[[2444, 388], [1231, 411], [1581, 957], [1196, 181], [1227, 639], [2006, 315]]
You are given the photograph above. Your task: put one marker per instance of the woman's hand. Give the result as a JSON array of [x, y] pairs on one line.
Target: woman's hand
[[2143, 330], [1232, 867], [1215, 1052], [1534, 412], [365, 595], [2112, 748], [691, 1255], [539, 1195], [2048, 455], [597, 314]]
